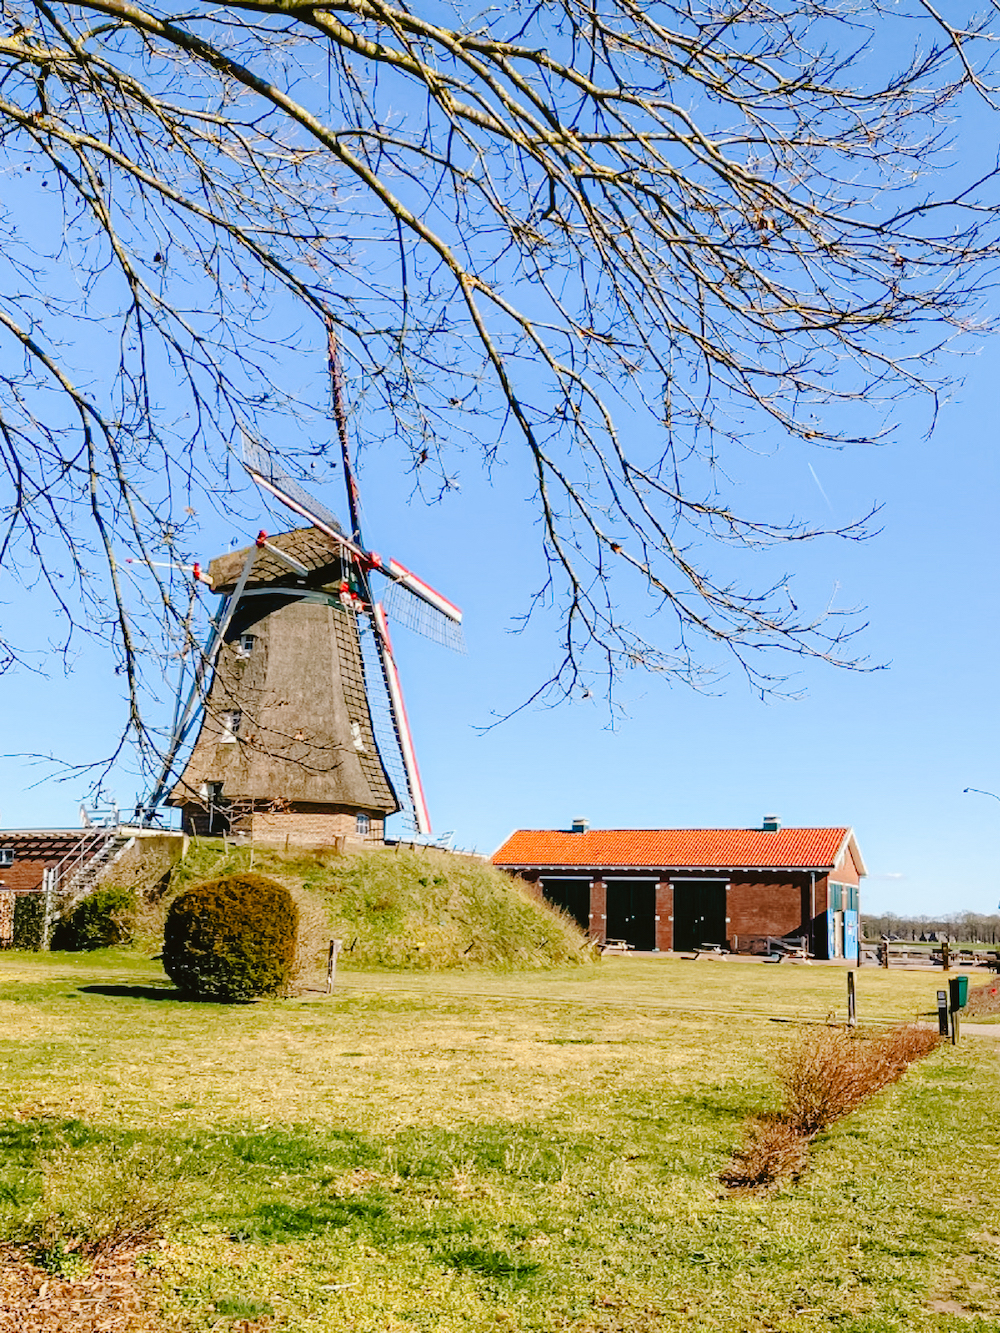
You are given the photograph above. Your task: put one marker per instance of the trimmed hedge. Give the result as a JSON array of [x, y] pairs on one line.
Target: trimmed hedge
[[231, 938], [102, 921], [29, 916]]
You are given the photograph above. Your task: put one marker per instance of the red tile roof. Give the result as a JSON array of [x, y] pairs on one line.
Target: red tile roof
[[684, 848]]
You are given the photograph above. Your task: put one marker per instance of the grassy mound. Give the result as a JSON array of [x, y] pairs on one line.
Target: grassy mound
[[425, 909]]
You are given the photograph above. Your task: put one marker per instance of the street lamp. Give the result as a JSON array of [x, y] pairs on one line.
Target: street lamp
[[979, 792]]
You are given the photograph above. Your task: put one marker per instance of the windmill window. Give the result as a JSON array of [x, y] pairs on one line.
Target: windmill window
[[6, 857], [230, 725], [363, 825], [247, 642], [359, 740]]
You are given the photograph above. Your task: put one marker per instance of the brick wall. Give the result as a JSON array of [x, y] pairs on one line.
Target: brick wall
[[35, 850], [24, 876], [664, 914], [598, 910], [768, 907], [308, 827]]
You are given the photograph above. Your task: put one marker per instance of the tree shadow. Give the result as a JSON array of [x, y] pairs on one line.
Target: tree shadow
[[142, 993]]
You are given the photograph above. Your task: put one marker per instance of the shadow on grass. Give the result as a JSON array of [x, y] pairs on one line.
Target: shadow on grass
[[144, 993]]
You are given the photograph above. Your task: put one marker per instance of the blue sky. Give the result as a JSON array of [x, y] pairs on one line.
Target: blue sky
[[888, 751]]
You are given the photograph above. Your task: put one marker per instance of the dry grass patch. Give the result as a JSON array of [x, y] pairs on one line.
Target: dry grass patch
[[114, 1296]]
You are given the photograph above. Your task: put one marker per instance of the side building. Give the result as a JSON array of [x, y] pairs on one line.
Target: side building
[[680, 889]]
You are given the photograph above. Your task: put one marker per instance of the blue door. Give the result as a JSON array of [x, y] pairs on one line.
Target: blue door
[[851, 933]]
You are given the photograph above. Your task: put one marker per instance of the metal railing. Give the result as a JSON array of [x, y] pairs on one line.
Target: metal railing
[[94, 842]]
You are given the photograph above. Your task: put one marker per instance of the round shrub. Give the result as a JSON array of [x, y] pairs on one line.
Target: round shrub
[[231, 938]]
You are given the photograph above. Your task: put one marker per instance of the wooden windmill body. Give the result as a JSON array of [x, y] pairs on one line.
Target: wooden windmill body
[[286, 750]]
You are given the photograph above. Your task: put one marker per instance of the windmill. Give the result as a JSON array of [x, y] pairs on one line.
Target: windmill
[[303, 729]]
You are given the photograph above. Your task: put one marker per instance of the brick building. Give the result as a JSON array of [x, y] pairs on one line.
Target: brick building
[[26, 854], [678, 889]]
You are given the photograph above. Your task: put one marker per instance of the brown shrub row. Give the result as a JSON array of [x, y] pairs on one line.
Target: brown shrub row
[[825, 1076]]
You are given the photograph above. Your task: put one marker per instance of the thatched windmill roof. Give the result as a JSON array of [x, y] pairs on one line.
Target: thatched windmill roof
[[319, 553]]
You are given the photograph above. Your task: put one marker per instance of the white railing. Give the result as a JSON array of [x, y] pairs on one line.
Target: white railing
[[94, 842]]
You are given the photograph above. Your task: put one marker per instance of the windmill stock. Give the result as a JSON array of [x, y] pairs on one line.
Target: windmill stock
[[302, 727]]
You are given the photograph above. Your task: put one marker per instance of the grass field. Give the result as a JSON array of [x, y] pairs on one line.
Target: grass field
[[528, 1151]]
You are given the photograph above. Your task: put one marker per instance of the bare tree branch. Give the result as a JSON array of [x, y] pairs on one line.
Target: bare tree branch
[[604, 242]]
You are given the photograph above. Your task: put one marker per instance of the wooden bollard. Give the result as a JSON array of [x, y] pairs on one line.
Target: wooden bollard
[[331, 964]]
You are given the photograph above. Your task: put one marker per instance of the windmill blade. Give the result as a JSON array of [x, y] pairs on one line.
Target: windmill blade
[[404, 607], [383, 721], [185, 718], [389, 722], [259, 462], [400, 574]]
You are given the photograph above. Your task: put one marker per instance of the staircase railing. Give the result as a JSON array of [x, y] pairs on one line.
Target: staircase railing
[[94, 841]]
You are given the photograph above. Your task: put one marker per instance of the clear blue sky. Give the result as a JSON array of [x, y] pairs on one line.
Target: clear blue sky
[[888, 751]]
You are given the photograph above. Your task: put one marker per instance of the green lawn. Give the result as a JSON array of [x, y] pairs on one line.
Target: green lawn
[[527, 1151]]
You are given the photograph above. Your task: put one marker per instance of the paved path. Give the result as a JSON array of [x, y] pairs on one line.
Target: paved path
[[970, 1029]]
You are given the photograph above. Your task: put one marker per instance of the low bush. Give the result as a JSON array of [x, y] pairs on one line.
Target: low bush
[[232, 938], [829, 1073], [772, 1151], [102, 921], [824, 1076], [29, 917]]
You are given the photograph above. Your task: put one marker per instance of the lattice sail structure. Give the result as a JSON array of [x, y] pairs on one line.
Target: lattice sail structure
[[384, 724], [260, 463], [404, 608]]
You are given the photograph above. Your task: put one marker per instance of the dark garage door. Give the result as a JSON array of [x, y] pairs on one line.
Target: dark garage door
[[572, 895], [699, 913], [632, 912]]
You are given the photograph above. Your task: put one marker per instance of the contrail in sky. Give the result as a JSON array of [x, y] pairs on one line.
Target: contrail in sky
[[820, 486]]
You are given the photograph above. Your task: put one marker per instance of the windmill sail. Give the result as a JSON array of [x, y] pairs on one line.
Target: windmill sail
[[259, 461], [411, 602], [404, 607], [384, 726]]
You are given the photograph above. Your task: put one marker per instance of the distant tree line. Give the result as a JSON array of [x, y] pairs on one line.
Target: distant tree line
[[964, 927]]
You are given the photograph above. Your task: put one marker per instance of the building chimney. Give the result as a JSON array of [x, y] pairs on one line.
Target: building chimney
[[580, 825], [771, 823]]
